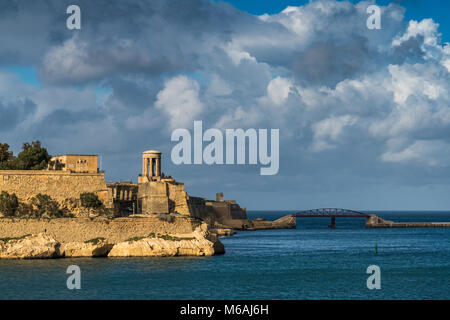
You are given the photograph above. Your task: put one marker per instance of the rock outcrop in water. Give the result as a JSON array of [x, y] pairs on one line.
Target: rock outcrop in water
[[44, 246], [195, 244], [160, 247], [39, 246], [98, 248]]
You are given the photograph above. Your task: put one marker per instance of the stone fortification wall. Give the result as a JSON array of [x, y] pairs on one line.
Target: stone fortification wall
[[237, 212], [84, 229], [60, 185], [178, 198], [223, 212]]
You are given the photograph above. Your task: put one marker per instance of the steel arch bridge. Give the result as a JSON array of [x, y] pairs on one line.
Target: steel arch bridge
[[330, 213]]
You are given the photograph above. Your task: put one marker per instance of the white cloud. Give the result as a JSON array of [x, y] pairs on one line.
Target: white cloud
[[432, 153], [426, 28], [421, 100], [180, 101], [446, 56], [71, 59], [237, 116], [278, 90], [79, 61], [327, 132], [236, 53], [410, 81]]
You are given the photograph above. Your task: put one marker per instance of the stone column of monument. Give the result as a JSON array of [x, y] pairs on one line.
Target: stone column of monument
[[144, 166], [158, 167], [152, 164]]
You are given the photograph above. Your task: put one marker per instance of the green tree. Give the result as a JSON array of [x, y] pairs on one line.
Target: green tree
[[6, 157], [90, 200], [8, 204], [5, 154], [33, 157]]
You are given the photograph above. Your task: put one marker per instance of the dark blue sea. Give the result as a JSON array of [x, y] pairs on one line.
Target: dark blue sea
[[310, 262]]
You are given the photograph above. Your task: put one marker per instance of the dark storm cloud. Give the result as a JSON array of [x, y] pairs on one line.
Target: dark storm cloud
[[29, 28], [328, 63], [140, 37], [12, 113], [130, 95], [66, 117]]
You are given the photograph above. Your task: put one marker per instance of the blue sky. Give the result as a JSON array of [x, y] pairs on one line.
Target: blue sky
[[26, 74], [364, 115]]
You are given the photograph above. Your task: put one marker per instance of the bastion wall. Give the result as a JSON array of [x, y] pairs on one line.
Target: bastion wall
[[60, 185], [84, 229], [178, 198], [163, 197]]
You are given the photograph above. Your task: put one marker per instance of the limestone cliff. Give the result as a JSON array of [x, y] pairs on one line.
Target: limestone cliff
[[40, 246]]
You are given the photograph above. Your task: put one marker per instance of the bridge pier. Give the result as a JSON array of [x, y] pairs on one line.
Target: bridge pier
[[333, 223]]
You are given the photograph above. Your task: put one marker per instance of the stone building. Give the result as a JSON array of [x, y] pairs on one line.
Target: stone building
[[75, 163]]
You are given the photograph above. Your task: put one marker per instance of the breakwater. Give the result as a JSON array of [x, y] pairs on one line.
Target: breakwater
[[374, 221]]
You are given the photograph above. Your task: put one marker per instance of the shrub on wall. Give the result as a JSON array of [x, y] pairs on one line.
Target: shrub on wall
[[44, 206], [90, 200], [8, 204], [25, 210], [167, 218]]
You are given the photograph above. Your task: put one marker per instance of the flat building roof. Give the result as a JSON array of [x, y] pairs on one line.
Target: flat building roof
[[78, 155]]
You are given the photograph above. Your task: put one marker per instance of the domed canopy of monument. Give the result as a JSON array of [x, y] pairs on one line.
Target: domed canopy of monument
[[152, 152]]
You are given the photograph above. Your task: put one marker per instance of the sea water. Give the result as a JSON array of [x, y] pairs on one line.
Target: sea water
[[310, 262]]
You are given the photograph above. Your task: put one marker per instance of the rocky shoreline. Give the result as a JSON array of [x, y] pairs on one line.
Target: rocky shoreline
[[134, 236], [44, 246]]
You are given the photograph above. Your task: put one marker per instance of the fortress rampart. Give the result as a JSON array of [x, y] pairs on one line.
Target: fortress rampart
[[224, 212], [60, 185]]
